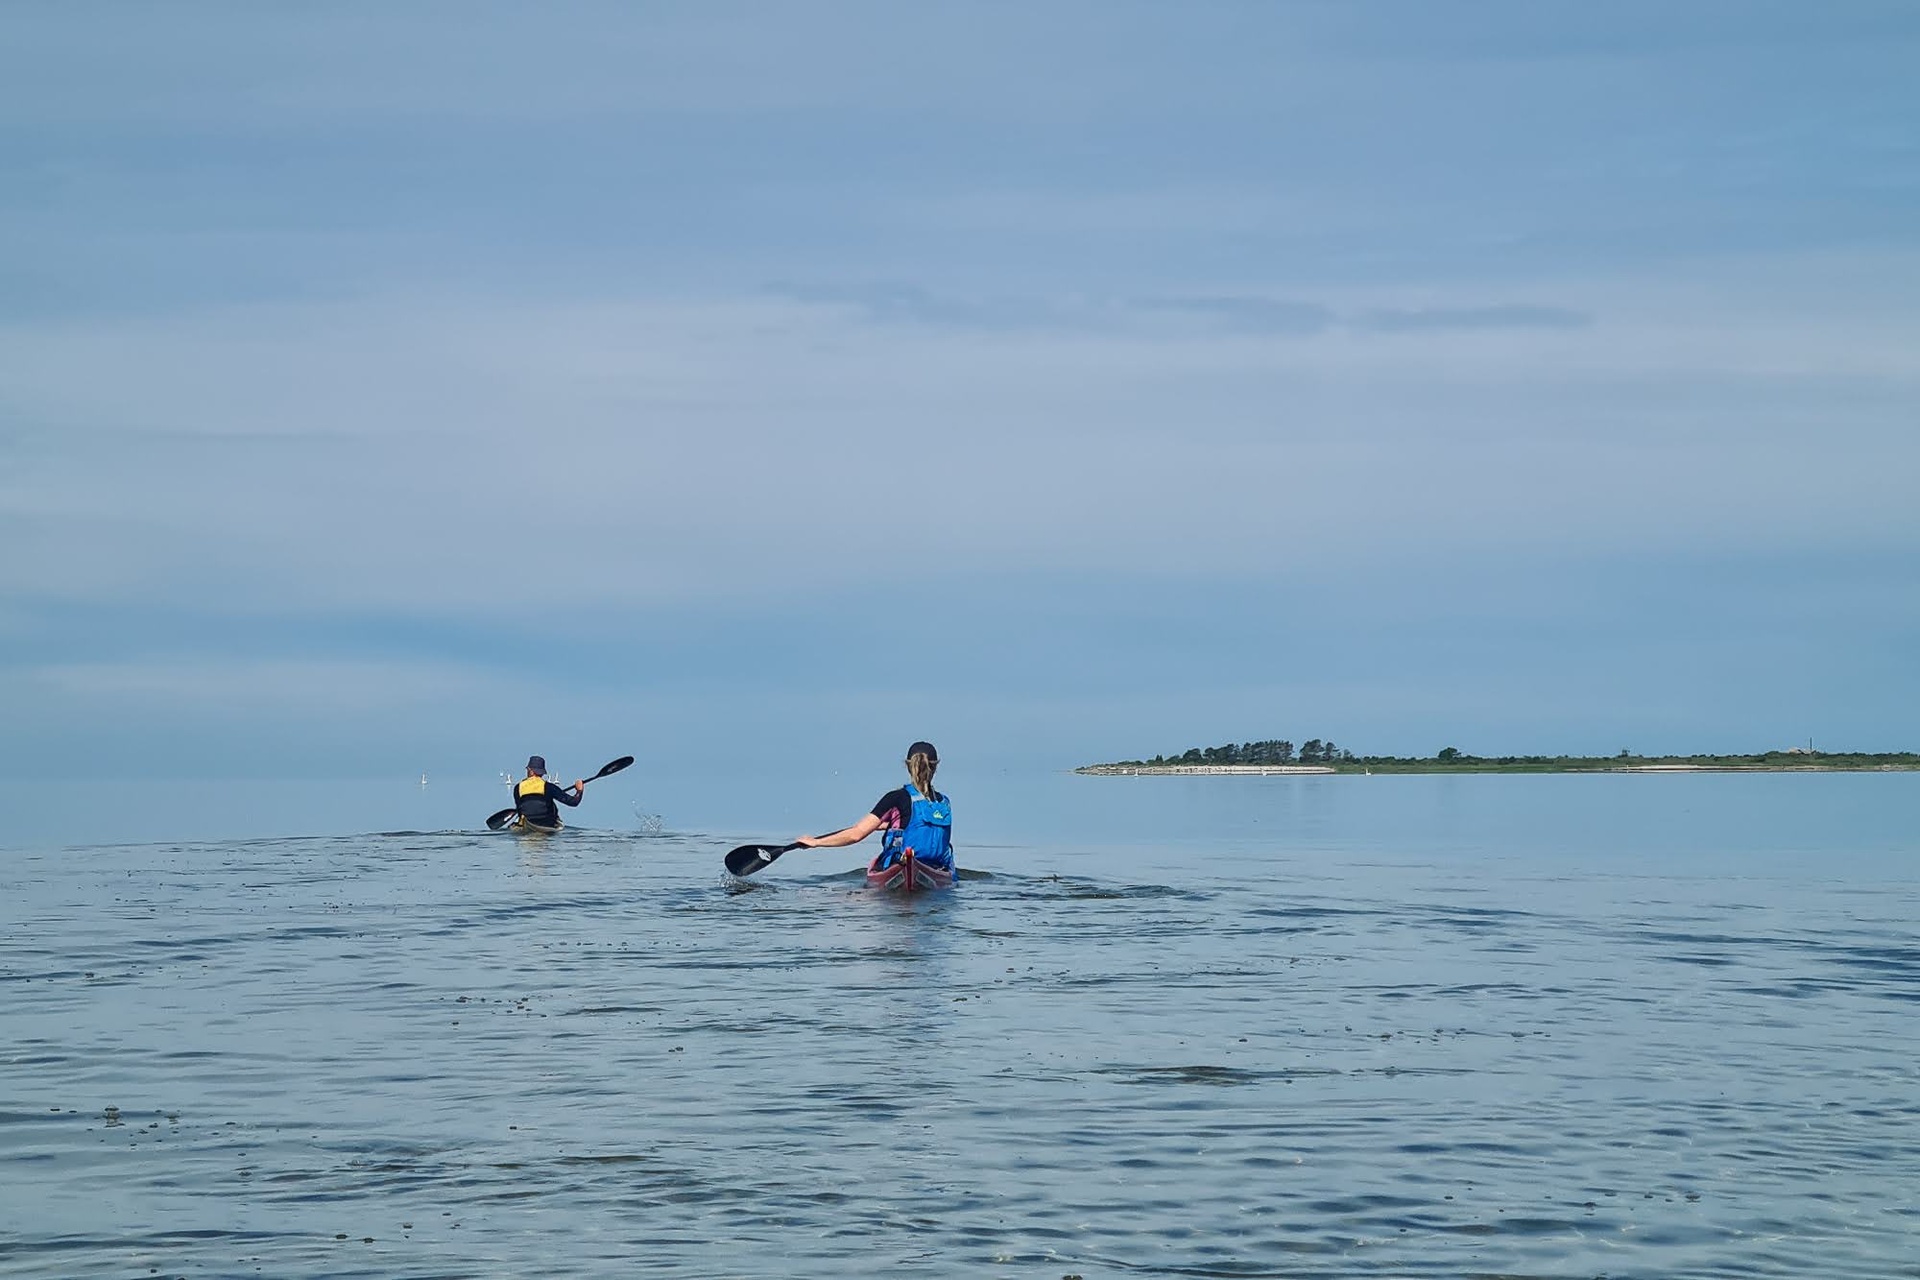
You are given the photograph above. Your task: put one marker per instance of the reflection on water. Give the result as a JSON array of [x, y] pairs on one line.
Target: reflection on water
[[465, 1054]]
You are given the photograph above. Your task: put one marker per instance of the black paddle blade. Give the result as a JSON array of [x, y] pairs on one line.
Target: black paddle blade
[[500, 819], [749, 858], [612, 767]]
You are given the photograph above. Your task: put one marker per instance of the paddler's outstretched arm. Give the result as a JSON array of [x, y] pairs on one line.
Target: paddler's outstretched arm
[[852, 835]]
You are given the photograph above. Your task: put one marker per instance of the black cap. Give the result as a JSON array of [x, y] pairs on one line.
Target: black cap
[[923, 749], [537, 764]]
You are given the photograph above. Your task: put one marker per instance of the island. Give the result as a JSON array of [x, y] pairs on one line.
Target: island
[[1317, 756]]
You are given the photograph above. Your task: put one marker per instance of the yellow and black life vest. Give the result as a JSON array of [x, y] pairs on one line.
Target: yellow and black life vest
[[535, 786]]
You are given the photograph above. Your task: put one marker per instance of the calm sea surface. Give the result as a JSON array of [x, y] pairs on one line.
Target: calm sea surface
[[1468, 1026]]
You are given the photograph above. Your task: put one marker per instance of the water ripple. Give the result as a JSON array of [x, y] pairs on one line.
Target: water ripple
[[439, 1054]]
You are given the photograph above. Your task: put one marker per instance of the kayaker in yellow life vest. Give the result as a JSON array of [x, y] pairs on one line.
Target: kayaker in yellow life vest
[[534, 796]]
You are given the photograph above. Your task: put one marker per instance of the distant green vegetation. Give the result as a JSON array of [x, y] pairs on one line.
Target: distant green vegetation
[[1278, 751], [1315, 751]]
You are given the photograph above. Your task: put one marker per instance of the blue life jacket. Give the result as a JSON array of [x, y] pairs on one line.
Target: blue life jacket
[[928, 832]]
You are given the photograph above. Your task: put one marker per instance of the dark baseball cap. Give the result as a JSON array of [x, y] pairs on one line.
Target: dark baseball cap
[[536, 764], [923, 749]]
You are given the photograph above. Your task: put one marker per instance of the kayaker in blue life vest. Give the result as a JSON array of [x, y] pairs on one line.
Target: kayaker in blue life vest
[[914, 817], [534, 796]]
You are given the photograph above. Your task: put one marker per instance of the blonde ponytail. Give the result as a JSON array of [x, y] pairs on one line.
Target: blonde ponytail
[[920, 767]]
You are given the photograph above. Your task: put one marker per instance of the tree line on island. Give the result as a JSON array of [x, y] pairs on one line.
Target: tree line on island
[[1274, 751], [1277, 752]]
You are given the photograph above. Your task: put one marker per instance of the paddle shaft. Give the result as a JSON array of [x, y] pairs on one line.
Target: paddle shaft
[[749, 858]]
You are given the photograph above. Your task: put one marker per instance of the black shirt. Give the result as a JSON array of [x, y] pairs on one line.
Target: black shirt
[[541, 809], [894, 808]]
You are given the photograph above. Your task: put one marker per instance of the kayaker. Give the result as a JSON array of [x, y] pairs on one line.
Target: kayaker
[[914, 817], [534, 796]]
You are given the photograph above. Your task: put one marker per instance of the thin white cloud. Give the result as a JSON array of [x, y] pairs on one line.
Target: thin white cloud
[[325, 688], [401, 454]]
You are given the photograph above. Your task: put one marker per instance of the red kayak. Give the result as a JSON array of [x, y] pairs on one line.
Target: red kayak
[[909, 875]]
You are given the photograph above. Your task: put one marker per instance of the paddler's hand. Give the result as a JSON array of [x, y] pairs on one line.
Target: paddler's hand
[[806, 842], [579, 784]]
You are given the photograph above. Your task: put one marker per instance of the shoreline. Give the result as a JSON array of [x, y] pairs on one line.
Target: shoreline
[[1171, 770], [1265, 770]]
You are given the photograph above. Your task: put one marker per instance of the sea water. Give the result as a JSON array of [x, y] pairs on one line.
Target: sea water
[[1563, 1026]]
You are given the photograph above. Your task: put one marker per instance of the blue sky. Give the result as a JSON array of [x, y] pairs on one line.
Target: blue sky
[[387, 388]]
